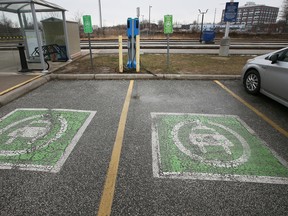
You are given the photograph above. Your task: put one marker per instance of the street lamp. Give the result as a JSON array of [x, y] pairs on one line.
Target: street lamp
[[100, 13], [203, 13], [150, 18]]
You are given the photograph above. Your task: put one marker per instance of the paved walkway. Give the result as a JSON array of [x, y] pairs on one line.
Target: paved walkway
[[10, 81], [10, 64]]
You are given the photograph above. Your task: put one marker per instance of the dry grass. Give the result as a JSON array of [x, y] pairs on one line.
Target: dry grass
[[157, 63]]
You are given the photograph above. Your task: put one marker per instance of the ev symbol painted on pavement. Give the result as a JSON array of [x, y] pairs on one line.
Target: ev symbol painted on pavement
[[209, 139], [206, 137], [212, 147], [40, 139], [28, 131], [31, 132]]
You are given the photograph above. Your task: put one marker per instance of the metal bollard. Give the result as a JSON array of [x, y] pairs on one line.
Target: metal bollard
[[24, 66]]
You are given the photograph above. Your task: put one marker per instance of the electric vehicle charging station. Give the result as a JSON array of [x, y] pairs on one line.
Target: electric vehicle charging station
[[133, 32]]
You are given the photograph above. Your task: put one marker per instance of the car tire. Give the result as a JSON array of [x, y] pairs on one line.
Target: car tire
[[252, 82]]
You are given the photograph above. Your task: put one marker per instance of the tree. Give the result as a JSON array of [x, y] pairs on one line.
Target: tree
[[77, 17], [5, 21], [284, 16], [194, 26], [160, 24], [284, 12]]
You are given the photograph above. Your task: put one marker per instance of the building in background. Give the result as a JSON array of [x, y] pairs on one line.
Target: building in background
[[255, 16]]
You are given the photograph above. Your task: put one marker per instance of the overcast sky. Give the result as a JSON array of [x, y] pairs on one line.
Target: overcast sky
[[116, 12]]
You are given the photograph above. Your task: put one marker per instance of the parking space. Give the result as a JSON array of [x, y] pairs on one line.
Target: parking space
[[180, 196], [188, 148], [76, 188]]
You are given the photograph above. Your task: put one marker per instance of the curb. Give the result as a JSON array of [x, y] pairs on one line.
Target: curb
[[194, 46], [10, 96], [141, 77]]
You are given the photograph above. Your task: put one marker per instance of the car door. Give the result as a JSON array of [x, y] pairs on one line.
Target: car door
[[275, 76]]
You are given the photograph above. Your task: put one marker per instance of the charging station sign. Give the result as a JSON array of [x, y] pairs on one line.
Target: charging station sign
[[168, 24], [231, 11], [87, 24]]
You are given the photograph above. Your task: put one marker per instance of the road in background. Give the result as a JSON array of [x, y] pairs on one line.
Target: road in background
[[174, 44], [187, 44]]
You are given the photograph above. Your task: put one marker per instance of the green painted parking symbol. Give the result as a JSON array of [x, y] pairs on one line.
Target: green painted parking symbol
[[40, 139], [212, 147]]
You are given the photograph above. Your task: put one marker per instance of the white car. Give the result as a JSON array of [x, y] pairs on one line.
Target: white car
[[268, 74]]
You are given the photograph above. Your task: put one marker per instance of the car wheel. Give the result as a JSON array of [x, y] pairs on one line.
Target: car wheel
[[252, 82]]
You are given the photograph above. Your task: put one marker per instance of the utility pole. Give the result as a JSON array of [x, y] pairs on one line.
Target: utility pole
[[201, 32]]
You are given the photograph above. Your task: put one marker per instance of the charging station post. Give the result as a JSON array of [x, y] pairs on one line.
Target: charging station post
[[168, 29], [132, 33], [88, 29], [230, 15]]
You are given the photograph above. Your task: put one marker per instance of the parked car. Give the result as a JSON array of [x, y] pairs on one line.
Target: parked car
[[268, 74]]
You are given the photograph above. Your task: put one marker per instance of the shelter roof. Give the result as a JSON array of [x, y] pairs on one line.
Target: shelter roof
[[24, 6]]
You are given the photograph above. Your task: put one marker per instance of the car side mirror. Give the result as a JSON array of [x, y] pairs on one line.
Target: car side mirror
[[274, 58]]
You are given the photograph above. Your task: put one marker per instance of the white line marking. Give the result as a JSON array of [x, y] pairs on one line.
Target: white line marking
[[156, 158], [218, 177], [73, 143]]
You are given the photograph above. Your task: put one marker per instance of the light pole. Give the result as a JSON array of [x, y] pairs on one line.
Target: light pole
[[150, 18], [214, 22], [138, 16], [203, 13], [138, 12], [100, 13], [197, 22]]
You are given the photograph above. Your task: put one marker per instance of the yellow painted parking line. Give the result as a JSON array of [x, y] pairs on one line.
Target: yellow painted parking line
[[260, 114], [111, 177], [19, 85]]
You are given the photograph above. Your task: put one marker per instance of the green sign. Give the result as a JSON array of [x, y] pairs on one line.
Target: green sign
[[168, 24], [87, 24], [40, 139], [212, 147]]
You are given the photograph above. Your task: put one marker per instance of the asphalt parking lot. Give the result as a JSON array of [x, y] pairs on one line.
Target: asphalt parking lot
[[170, 147]]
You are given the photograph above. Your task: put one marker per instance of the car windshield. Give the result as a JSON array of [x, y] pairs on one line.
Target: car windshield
[[282, 55]]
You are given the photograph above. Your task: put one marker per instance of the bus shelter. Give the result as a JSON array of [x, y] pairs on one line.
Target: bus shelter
[[21, 7]]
